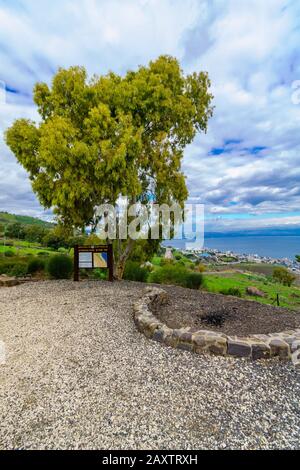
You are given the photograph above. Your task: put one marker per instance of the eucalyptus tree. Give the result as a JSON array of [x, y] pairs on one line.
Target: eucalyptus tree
[[111, 136]]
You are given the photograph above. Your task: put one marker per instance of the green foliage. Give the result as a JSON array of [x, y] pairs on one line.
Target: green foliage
[[234, 291], [42, 254], [60, 267], [289, 296], [201, 268], [6, 219], [134, 272], [101, 274], [166, 262], [34, 233], [110, 136], [35, 265], [144, 250], [194, 280], [298, 258], [15, 230], [18, 270], [9, 254], [283, 276], [177, 275]]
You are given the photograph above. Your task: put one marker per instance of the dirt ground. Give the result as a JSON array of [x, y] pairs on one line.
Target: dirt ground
[[230, 315]]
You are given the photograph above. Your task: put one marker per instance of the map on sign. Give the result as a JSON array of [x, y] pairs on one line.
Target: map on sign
[[100, 260], [93, 257], [86, 260]]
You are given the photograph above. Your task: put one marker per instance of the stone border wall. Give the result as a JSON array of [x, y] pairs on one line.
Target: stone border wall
[[285, 345]]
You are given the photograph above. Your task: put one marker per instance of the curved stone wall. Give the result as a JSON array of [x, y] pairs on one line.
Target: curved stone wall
[[285, 345]]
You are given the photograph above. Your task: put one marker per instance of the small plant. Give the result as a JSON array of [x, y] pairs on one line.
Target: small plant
[[200, 268], [194, 280], [234, 291], [9, 254], [35, 265], [134, 272], [60, 267], [283, 276], [18, 270], [176, 275], [100, 274]]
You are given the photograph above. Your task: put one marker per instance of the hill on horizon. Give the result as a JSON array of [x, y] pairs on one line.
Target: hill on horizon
[[7, 218]]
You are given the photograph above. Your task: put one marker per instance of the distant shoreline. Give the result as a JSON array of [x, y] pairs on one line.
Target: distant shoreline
[[275, 247]]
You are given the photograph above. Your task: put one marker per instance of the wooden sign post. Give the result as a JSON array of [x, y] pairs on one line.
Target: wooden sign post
[[93, 257]]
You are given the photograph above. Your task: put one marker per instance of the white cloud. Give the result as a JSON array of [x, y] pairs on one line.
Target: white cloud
[[249, 47]]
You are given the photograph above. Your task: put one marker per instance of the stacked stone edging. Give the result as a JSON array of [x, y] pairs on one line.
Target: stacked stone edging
[[285, 345]]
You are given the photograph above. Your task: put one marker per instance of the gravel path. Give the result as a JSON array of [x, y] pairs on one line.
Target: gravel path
[[78, 375]]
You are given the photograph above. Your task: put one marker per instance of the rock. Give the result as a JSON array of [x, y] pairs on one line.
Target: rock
[[260, 351], [199, 342], [279, 348], [216, 345], [239, 348], [6, 281], [185, 340], [295, 346], [255, 292], [162, 334], [296, 359]]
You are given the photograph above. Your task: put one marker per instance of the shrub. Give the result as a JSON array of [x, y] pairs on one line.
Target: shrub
[[60, 267], [18, 270], [9, 254], [134, 272], [43, 253], [35, 265], [283, 276], [194, 280], [7, 265], [200, 268], [62, 250], [169, 274], [177, 275], [101, 274], [166, 261], [234, 291]]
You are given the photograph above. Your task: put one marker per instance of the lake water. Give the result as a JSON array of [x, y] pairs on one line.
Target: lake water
[[273, 246]]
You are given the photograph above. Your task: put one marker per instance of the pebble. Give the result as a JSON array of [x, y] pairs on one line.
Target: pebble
[[78, 375]]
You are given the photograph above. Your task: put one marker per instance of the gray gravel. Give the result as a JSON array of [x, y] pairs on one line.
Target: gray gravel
[[79, 376]]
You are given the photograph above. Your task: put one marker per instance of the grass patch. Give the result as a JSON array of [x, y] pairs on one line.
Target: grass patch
[[289, 296]]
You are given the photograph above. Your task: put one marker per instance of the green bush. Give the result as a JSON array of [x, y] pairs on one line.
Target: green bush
[[101, 274], [134, 272], [234, 291], [7, 265], [9, 254], [35, 265], [194, 280], [60, 267], [43, 253], [18, 270], [177, 275], [284, 276]]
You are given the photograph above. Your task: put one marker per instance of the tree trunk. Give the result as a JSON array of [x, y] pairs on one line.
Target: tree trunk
[[120, 263]]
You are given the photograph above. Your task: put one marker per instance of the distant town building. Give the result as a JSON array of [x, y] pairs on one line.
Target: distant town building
[[169, 254]]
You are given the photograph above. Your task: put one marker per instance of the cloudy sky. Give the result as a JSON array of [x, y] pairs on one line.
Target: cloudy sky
[[246, 169]]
